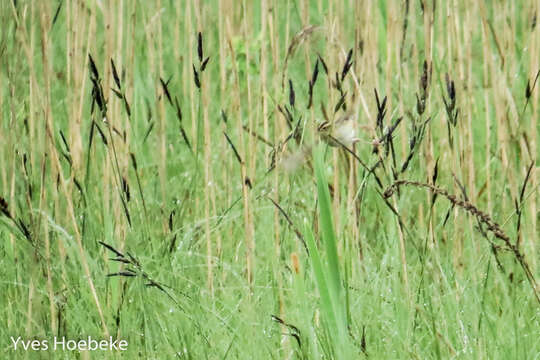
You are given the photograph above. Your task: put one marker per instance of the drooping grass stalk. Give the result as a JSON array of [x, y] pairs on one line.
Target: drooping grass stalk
[[483, 218]]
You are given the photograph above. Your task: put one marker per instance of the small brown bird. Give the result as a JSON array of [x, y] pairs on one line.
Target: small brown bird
[[342, 131]]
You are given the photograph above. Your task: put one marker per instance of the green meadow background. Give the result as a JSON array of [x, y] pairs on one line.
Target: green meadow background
[[163, 181]]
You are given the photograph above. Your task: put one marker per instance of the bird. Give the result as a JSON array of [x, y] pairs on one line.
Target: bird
[[340, 132]]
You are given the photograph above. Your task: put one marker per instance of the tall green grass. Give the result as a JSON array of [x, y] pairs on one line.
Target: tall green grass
[[144, 213], [327, 272]]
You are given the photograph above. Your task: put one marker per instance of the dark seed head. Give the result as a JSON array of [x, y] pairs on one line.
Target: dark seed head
[[450, 88], [204, 63], [347, 66], [324, 65], [199, 47], [315, 73], [115, 75], [4, 208], [424, 78], [292, 96], [196, 78]]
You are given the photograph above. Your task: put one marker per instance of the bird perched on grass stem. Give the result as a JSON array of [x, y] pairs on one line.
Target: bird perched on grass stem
[[342, 131]]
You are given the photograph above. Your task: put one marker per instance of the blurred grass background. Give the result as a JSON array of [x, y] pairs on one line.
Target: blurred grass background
[[211, 259]]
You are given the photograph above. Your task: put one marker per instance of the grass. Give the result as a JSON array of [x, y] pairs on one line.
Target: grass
[[163, 179]]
